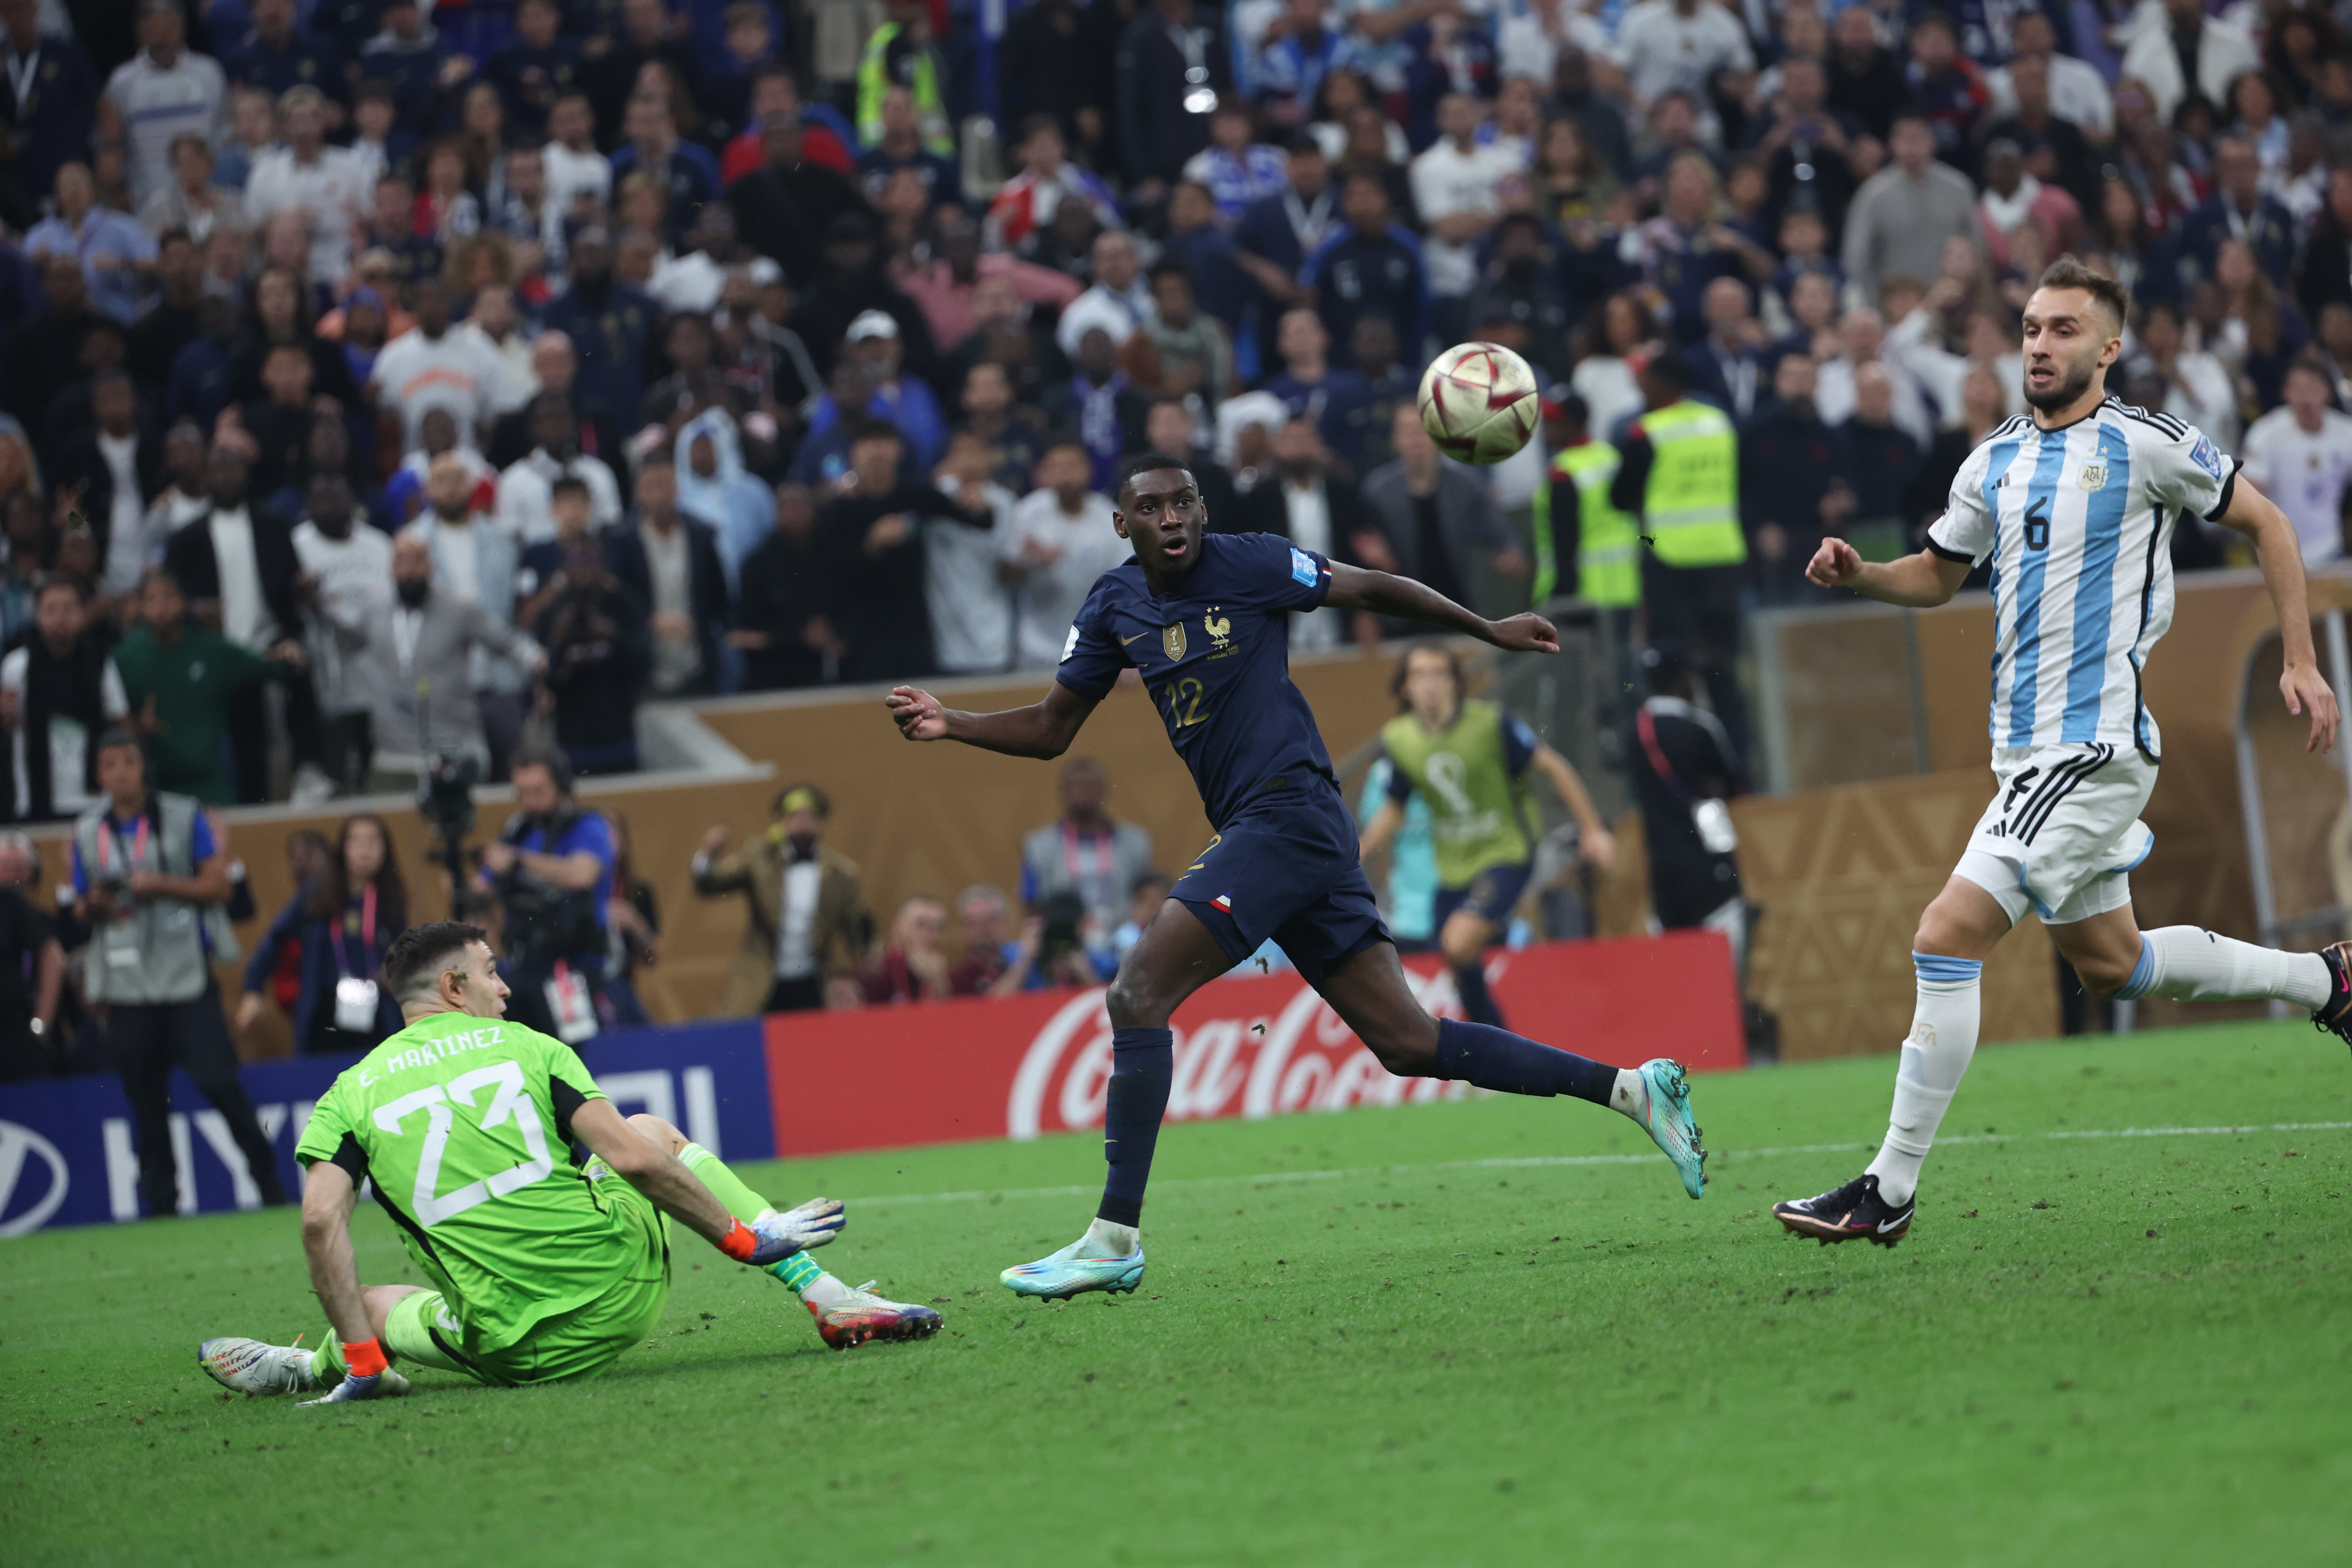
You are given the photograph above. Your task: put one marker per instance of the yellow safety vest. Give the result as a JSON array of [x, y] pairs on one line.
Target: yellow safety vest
[[1690, 508], [874, 79], [1608, 541]]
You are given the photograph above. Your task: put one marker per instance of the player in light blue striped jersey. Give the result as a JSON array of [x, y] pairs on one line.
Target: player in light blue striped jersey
[[2074, 503]]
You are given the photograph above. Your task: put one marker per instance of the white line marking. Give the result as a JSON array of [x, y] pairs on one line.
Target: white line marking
[[1541, 1160]]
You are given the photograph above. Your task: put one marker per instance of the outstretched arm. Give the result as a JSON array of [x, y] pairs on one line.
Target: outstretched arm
[[1594, 841], [1360, 588], [1044, 729], [2257, 517], [1920, 582]]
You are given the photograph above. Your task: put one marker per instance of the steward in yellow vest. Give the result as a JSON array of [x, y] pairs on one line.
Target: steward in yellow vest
[[1577, 526]]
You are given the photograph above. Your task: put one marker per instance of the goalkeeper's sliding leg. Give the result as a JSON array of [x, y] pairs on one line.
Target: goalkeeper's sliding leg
[[419, 1327]]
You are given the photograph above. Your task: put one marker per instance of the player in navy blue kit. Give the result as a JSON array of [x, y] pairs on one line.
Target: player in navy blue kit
[[1204, 617]]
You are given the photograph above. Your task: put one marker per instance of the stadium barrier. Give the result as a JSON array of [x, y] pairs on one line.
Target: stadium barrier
[[817, 1083]]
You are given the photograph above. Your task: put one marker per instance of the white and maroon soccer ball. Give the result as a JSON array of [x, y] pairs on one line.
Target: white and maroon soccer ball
[[1479, 403]]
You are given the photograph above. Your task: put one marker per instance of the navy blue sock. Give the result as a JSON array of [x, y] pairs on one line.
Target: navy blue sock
[[1143, 1064], [1470, 985], [1498, 1059]]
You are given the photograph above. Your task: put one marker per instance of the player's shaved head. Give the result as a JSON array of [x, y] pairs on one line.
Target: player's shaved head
[[421, 956]]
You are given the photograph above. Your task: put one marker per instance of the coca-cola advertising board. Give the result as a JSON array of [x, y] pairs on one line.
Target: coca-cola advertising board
[[938, 1072]]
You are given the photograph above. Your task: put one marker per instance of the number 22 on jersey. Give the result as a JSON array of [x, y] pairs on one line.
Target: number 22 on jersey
[[508, 1103]]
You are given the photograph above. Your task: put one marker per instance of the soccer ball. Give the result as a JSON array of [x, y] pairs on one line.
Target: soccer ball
[[1479, 402]]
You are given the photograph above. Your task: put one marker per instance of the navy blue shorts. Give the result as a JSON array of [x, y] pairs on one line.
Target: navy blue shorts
[[1286, 868], [1490, 895]]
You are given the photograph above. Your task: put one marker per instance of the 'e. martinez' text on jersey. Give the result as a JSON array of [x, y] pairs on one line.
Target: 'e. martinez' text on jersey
[[1216, 656]]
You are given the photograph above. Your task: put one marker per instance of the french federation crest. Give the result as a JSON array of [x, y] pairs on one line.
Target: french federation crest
[[1171, 641], [2093, 474], [1219, 628]]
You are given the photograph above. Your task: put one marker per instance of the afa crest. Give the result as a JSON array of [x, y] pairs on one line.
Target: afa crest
[[2093, 474], [1172, 640]]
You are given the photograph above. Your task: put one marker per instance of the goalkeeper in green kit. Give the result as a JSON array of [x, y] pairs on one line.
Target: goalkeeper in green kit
[[539, 1270]]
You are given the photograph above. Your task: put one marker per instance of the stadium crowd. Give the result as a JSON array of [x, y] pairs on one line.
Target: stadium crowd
[[379, 386], [551, 358]]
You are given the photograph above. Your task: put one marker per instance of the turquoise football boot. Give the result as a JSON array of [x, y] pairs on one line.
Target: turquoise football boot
[[1666, 1114], [1067, 1273]]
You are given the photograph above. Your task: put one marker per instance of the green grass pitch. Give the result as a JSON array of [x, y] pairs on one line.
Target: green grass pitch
[[1478, 1332]]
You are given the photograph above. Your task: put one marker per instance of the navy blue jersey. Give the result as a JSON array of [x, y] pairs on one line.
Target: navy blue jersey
[[1215, 655]]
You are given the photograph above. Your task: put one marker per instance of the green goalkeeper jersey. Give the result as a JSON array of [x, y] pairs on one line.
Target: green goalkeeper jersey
[[463, 1124]]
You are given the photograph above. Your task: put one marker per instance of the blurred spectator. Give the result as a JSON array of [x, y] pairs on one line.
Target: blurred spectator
[[1862, 340], [1187, 347], [2183, 52], [2301, 457], [592, 629], [808, 926], [1198, 244], [1458, 188], [525, 487], [1360, 411], [1084, 852], [1100, 405], [551, 868], [238, 567], [1059, 541], [32, 972], [1679, 43], [328, 188], [1680, 475], [634, 919], [1235, 168], [874, 539], [1314, 508], [350, 570], [994, 963], [475, 562], [1902, 214], [148, 877], [58, 691], [2197, 387], [435, 366], [200, 674], [1430, 521], [784, 611], [2013, 197], [970, 603], [1029, 202], [1787, 464], [1145, 895], [2072, 89], [1877, 461], [1370, 266], [44, 353], [1173, 70], [2238, 209], [912, 966], [115, 253], [343, 920], [115, 466], [534, 66], [1119, 303], [1688, 768], [166, 91], [902, 146], [607, 324], [670, 560], [1040, 73], [854, 282], [425, 642], [948, 287], [1727, 366], [49, 95], [1983, 407]]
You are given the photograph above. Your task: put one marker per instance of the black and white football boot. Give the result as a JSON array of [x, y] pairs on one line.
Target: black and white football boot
[[2335, 1016], [1846, 1212]]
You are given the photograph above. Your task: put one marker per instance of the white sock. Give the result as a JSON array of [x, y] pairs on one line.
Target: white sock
[[2190, 964], [825, 1290], [1943, 1037], [1631, 1095], [1104, 1239]]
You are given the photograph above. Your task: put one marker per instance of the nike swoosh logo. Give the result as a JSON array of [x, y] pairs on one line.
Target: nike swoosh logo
[[1124, 641], [1885, 1226]]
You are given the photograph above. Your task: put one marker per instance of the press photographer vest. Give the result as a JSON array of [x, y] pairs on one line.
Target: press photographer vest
[[165, 934]]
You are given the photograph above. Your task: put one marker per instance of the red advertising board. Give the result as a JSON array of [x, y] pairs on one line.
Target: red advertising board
[[939, 1072]]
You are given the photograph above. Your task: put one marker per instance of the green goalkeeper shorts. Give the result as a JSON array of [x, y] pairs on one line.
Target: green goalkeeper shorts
[[420, 1328]]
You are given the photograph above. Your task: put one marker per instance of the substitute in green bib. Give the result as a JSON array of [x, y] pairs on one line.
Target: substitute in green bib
[[1576, 526], [540, 1269], [1679, 474], [1468, 760]]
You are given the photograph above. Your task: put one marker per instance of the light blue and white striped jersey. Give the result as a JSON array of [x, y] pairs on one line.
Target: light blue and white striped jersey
[[2078, 524]]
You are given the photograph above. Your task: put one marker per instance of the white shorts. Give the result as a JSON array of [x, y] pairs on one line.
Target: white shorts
[[2062, 832]]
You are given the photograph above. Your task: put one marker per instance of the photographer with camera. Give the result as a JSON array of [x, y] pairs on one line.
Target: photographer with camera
[[550, 868], [150, 877]]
